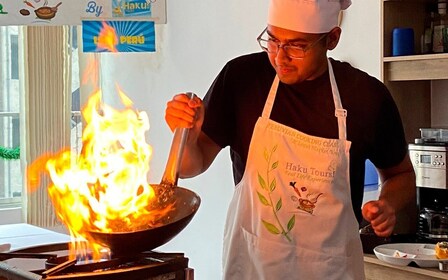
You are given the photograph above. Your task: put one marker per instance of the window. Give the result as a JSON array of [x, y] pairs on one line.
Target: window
[[11, 184], [76, 128], [10, 170], [14, 56]]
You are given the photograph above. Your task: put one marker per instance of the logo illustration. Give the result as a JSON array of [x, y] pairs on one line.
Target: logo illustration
[[44, 12], [308, 203]]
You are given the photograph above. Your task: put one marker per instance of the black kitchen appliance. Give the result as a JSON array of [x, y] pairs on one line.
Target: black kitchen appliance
[[429, 158], [51, 262]]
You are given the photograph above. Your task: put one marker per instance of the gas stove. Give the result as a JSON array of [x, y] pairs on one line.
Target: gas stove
[[51, 262], [37, 253]]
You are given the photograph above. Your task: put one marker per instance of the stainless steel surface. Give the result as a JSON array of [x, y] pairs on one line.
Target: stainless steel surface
[[429, 161], [443, 266], [171, 175], [430, 165]]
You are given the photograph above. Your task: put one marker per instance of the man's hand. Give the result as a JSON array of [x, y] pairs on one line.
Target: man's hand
[[182, 111], [381, 216]]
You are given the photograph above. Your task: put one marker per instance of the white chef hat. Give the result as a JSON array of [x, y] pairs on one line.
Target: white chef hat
[[307, 16]]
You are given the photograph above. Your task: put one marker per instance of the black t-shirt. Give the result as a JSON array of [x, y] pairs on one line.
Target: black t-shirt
[[237, 97]]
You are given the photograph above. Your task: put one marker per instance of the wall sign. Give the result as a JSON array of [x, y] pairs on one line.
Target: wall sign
[[118, 36], [72, 12]]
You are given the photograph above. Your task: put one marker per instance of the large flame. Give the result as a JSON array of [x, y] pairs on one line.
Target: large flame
[[107, 39], [106, 189]]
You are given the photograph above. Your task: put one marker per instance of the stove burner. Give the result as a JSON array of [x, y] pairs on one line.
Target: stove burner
[[146, 265]]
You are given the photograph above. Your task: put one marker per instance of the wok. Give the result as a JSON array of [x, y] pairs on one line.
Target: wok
[[122, 243], [186, 206]]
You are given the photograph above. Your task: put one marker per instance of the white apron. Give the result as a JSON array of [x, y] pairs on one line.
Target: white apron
[[291, 215]]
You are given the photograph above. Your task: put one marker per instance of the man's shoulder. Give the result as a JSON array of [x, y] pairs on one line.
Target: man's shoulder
[[354, 77], [347, 67], [250, 60], [250, 68]]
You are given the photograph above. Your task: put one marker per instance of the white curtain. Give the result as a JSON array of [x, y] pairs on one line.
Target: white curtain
[[46, 110]]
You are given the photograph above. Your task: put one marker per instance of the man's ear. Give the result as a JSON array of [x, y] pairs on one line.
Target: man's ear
[[333, 38]]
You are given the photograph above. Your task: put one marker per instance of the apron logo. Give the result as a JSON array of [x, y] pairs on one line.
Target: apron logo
[[266, 198], [305, 204]]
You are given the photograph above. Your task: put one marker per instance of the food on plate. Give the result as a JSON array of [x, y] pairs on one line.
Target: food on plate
[[442, 250], [398, 254]]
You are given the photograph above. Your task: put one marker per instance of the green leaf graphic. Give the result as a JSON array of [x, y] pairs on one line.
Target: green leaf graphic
[[279, 204], [261, 182], [263, 199], [271, 228], [273, 185], [266, 196], [291, 222]]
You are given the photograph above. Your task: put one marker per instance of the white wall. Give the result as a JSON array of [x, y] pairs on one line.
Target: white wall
[[199, 37], [10, 216], [360, 39]]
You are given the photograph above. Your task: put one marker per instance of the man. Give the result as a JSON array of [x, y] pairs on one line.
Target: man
[[300, 127]]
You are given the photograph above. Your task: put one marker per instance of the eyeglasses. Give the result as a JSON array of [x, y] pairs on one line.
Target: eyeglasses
[[292, 51]]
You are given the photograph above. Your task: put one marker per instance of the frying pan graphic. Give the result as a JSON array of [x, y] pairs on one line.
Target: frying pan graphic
[[46, 12]]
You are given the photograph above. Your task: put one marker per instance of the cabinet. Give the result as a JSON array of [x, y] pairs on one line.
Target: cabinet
[[411, 78]]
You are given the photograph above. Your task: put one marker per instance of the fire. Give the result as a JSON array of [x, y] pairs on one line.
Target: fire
[[106, 188], [107, 39]]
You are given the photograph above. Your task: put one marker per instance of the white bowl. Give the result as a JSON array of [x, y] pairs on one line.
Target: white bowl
[[425, 255]]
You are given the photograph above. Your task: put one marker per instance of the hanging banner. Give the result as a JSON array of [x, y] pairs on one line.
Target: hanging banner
[[118, 36], [72, 12]]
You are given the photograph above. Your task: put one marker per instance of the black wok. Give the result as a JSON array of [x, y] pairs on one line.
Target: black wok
[[186, 206]]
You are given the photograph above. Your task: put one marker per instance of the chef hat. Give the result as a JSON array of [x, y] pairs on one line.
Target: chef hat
[[307, 16]]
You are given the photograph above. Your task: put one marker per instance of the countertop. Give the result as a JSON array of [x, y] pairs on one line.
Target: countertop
[[376, 269], [21, 236]]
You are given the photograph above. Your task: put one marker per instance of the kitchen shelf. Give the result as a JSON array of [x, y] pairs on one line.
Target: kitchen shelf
[[410, 79], [416, 57], [416, 67]]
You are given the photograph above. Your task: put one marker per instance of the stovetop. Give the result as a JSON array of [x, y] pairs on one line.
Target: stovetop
[[51, 262]]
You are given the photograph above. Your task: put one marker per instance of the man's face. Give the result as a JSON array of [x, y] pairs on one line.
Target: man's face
[[293, 71]]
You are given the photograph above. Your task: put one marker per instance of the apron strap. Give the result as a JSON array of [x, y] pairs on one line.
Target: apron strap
[[271, 97], [339, 112]]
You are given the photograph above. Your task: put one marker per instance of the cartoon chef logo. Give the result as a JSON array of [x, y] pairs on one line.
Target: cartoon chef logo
[[305, 200]]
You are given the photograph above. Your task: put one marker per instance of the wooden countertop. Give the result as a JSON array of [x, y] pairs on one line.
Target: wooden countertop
[[376, 269]]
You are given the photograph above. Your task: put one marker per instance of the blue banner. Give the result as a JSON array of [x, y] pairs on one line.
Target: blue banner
[[118, 36]]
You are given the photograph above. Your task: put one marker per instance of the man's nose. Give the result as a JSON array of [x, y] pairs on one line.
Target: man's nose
[[281, 54]]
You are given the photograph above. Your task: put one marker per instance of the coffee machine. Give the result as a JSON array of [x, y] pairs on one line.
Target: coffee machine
[[429, 158]]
